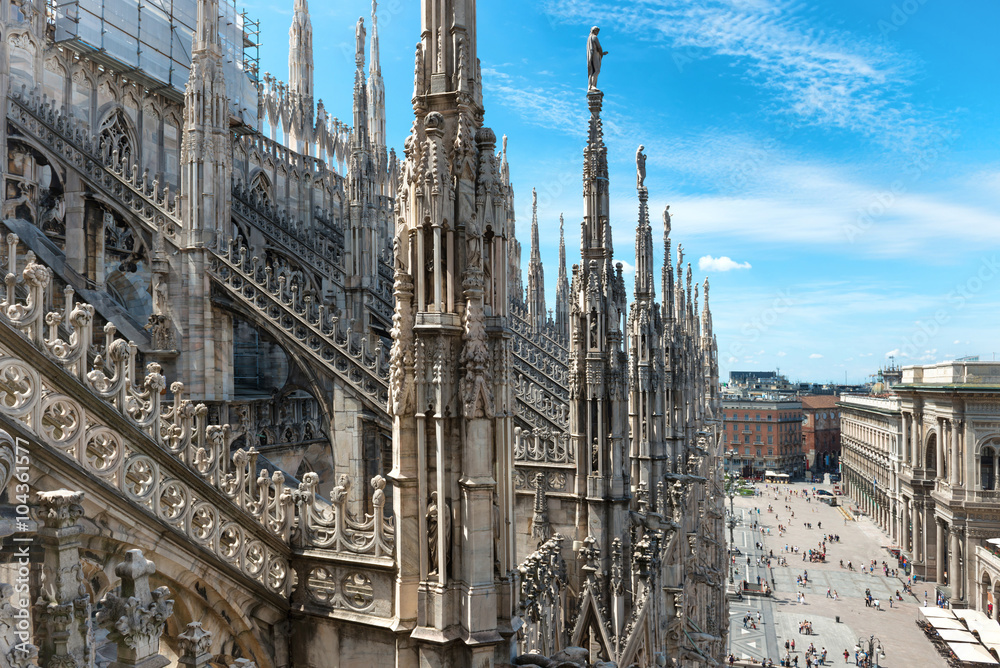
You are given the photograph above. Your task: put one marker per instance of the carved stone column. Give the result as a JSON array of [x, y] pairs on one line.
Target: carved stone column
[[195, 646], [63, 610], [135, 617]]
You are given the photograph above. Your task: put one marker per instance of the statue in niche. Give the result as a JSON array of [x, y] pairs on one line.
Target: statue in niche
[[438, 519], [594, 57]]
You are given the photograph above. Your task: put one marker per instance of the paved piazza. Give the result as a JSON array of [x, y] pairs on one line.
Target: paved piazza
[[860, 542]]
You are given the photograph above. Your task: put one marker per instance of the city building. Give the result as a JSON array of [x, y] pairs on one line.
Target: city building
[[763, 435], [948, 490], [922, 462], [301, 374], [820, 432], [870, 447]]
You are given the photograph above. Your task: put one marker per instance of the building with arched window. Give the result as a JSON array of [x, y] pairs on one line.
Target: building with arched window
[[948, 497]]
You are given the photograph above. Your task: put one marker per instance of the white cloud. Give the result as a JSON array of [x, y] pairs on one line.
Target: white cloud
[[815, 356], [724, 263], [732, 360], [865, 354], [896, 352], [782, 353], [956, 342]]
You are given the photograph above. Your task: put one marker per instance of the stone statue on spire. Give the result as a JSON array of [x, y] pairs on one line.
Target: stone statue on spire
[[666, 220], [359, 34], [594, 56], [640, 168]]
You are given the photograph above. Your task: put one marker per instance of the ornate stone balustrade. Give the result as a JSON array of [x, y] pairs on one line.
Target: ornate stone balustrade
[[550, 341], [104, 170], [305, 321], [542, 446], [332, 526], [323, 253], [541, 373], [163, 458]]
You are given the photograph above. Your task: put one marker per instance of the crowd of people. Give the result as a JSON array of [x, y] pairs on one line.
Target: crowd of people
[[812, 657]]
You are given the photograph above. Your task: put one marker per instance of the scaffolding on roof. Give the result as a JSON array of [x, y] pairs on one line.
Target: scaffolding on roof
[[150, 42]]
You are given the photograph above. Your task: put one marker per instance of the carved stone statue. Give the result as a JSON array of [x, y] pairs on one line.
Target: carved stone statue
[[438, 519], [666, 219], [640, 167], [594, 56], [359, 34]]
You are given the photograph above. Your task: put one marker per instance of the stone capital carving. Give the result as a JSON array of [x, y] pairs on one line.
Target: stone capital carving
[[195, 646], [135, 617]]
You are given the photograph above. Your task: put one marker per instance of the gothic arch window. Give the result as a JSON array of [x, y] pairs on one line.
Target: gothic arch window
[[82, 96], [171, 151], [54, 82], [21, 57], [117, 135], [260, 189]]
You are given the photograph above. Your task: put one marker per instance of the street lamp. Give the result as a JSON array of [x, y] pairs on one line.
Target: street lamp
[[872, 647]]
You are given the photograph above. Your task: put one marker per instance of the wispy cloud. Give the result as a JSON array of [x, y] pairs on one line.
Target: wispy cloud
[[816, 74], [724, 263], [555, 106], [815, 356]]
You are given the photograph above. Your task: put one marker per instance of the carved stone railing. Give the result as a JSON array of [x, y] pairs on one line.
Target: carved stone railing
[[103, 170], [548, 340], [332, 526], [542, 446], [301, 240], [541, 373], [305, 322], [163, 458]]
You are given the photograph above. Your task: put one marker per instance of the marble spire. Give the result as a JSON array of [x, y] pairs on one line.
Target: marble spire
[[376, 103], [562, 286], [450, 396], [644, 289], [536, 273], [300, 53]]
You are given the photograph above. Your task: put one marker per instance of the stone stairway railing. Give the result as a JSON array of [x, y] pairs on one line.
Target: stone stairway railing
[[541, 365], [312, 246], [164, 458], [309, 325], [547, 340], [102, 169]]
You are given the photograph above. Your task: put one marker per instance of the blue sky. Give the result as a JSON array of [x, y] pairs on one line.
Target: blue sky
[[843, 156]]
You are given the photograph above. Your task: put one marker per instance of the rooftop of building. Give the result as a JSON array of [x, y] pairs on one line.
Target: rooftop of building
[[818, 401], [955, 374]]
